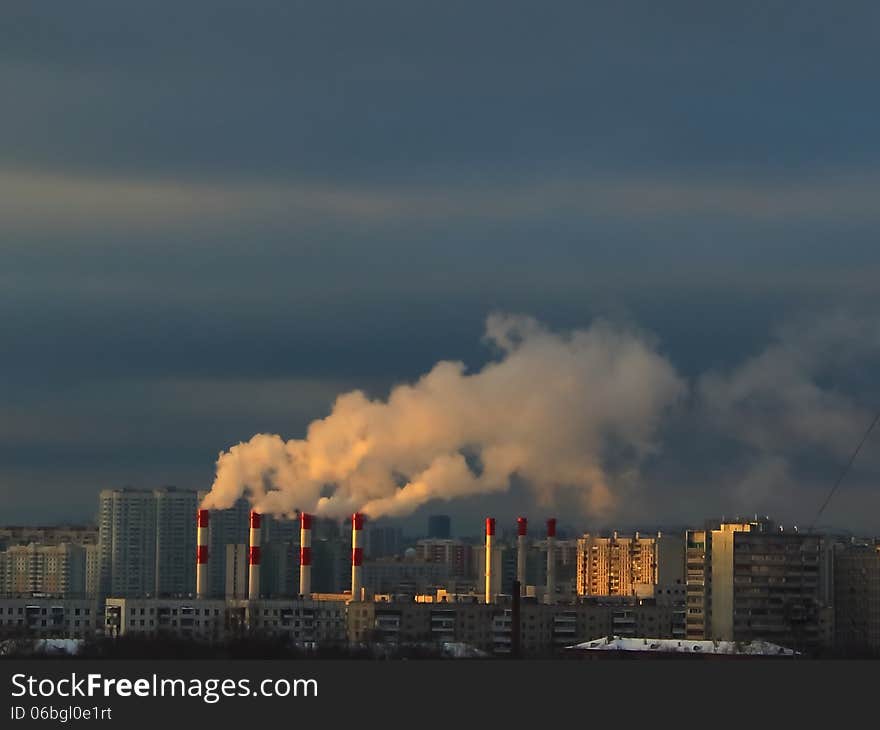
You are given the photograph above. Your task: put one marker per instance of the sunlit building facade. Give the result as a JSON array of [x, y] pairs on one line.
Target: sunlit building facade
[[628, 566]]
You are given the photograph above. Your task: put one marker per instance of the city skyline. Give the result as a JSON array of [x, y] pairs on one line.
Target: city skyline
[[159, 566], [745, 581]]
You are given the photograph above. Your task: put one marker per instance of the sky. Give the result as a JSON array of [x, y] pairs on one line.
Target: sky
[[215, 218]]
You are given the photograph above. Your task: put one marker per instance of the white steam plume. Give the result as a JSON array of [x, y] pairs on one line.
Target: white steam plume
[[548, 411]]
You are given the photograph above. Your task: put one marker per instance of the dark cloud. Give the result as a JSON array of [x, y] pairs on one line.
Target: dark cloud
[[408, 90]]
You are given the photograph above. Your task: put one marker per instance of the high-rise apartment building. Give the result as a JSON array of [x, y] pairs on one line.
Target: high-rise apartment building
[[857, 599], [331, 563], [384, 542], [751, 580], [628, 566], [147, 541], [175, 540], [698, 583], [58, 570], [127, 539], [456, 554]]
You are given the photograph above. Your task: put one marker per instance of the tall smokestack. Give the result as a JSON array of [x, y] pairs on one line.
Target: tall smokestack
[[357, 555], [551, 561], [521, 532], [490, 533], [202, 517], [254, 557], [305, 554]]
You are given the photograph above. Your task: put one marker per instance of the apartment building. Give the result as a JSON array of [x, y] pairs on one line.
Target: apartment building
[[58, 570], [212, 620], [127, 542], [384, 542], [299, 620], [404, 575], [456, 554], [151, 617], [50, 617], [698, 580], [751, 580], [857, 599], [146, 540], [629, 566], [544, 629], [175, 540]]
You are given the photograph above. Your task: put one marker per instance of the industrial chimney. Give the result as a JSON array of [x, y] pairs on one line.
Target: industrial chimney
[[490, 533], [202, 517], [254, 557], [521, 532], [305, 555], [551, 561], [357, 555]]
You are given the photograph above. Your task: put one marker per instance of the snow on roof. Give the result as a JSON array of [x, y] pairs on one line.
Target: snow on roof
[[460, 650], [617, 643], [58, 646], [40, 646]]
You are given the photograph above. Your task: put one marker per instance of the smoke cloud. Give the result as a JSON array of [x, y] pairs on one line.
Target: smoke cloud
[[793, 394], [559, 411], [807, 397]]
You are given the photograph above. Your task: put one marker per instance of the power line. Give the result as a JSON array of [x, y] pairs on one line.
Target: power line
[[845, 470]]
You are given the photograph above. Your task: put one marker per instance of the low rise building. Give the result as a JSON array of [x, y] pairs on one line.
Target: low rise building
[[153, 617], [300, 620], [544, 629], [214, 620], [51, 618]]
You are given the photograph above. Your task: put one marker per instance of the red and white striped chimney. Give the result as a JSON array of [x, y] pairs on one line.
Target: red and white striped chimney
[[490, 534], [305, 554], [551, 561], [521, 532], [254, 556], [202, 518], [357, 555]]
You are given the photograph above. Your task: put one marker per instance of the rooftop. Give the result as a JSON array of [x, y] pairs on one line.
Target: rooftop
[[681, 646]]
